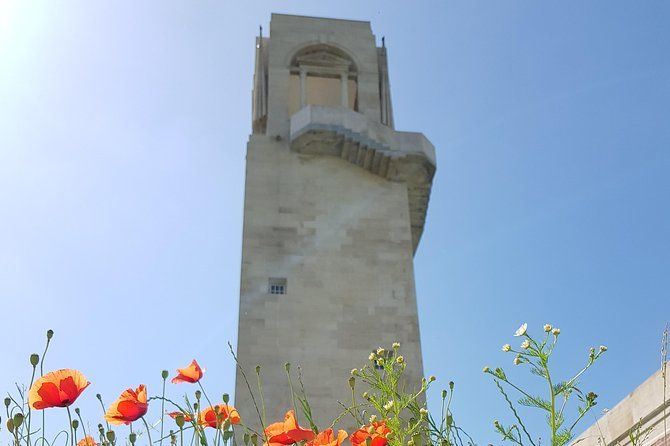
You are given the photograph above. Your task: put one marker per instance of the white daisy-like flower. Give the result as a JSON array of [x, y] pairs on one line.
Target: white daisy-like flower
[[525, 344], [372, 356], [389, 405], [396, 345], [486, 369], [603, 348], [521, 330], [506, 347], [547, 327], [556, 331], [373, 418], [517, 360]]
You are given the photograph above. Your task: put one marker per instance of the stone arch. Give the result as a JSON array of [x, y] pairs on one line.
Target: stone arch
[[322, 74]]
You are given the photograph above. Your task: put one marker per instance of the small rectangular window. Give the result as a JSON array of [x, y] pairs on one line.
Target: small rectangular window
[[277, 285]]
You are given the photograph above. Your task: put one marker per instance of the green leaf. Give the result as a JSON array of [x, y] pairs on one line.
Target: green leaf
[[535, 401]]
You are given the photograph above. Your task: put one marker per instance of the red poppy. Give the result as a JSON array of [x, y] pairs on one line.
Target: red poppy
[[377, 432], [187, 417], [287, 432], [57, 389], [131, 406], [327, 438], [87, 441], [208, 417], [189, 374]]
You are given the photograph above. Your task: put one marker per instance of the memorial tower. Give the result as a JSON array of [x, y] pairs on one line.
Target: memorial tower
[[335, 205]]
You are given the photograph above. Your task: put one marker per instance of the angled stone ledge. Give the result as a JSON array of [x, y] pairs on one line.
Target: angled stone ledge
[[396, 156]]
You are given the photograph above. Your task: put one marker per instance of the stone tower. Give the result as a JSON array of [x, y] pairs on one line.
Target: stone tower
[[335, 204]]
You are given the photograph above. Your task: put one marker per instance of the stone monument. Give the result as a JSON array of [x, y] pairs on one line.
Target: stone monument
[[335, 205]]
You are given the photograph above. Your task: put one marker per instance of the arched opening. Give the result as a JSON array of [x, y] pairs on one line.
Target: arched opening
[[322, 75]]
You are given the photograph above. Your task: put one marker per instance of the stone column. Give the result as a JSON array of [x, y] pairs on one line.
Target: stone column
[[303, 88], [344, 89]]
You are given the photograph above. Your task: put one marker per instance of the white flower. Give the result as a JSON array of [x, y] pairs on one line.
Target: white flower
[[389, 405], [373, 418], [506, 347], [486, 369], [380, 351], [547, 327], [603, 348], [521, 330], [556, 331], [396, 345], [517, 360], [354, 371], [372, 356], [423, 411], [525, 344], [400, 359]]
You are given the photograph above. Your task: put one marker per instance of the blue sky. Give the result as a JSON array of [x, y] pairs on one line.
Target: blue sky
[[122, 140]]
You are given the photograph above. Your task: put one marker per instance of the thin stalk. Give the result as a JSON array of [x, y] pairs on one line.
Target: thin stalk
[[146, 425], [163, 408], [69, 417]]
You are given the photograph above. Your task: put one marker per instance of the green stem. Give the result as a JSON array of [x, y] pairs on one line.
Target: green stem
[[162, 409], [146, 425], [69, 417]]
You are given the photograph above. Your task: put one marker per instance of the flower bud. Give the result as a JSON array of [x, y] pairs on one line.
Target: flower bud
[[75, 424], [77, 411], [506, 347], [525, 344], [431, 378], [164, 374], [8, 401], [423, 411], [50, 334], [196, 406], [287, 366], [486, 369], [396, 345], [352, 382], [517, 360], [603, 348], [258, 369], [10, 425], [226, 398], [245, 438], [372, 356], [451, 385], [198, 394], [98, 396], [444, 394], [173, 438], [18, 420], [34, 359], [132, 437], [254, 439], [381, 351], [354, 372], [101, 429], [400, 360], [111, 436], [179, 419]]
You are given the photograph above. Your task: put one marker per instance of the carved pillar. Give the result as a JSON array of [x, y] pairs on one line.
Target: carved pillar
[[303, 87], [344, 88]]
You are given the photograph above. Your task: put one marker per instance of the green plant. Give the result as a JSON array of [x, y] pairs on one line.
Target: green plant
[[536, 355]]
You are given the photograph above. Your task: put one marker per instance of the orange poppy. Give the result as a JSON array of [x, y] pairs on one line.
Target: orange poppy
[[57, 389], [377, 432], [87, 441], [131, 406], [187, 417], [287, 432], [189, 374], [226, 412], [327, 438]]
